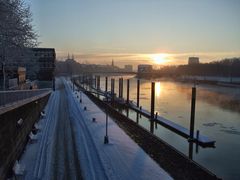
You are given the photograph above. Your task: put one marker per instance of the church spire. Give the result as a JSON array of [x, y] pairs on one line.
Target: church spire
[[112, 63]]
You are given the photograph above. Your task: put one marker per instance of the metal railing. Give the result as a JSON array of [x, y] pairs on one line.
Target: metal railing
[[7, 97]]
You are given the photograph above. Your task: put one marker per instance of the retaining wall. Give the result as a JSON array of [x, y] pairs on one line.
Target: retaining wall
[[13, 137]]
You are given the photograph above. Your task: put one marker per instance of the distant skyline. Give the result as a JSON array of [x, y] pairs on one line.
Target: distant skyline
[[139, 31]]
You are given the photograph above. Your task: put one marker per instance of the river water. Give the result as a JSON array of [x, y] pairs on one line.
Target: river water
[[217, 116]]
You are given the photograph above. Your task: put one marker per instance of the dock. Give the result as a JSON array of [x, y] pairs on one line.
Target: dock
[[110, 96], [176, 163], [180, 130]]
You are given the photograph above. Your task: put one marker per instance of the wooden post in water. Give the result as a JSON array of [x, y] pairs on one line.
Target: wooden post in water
[[83, 81], [152, 99], [138, 91], [111, 86], [190, 150], [156, 116], [106, 84], [140, 110], [98, 82], [152, 107], [197, 142], [113, 96], [119, 87], [128, 86], [90, 82], [127, 112], [137, 118], [97, 77], [192, 113], [191, 136], [112, 89], [95, 82]]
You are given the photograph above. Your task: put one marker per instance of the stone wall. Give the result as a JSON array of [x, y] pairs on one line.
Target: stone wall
[[13, 137]]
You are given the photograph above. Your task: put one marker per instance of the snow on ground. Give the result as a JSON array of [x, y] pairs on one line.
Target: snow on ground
[[122, 158], [34, 159]]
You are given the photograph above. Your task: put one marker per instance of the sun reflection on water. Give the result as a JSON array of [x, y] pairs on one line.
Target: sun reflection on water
[[157, 89]]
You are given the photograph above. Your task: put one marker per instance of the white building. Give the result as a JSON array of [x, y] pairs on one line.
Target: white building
[[193, 60], [128, 68], [145, 68]]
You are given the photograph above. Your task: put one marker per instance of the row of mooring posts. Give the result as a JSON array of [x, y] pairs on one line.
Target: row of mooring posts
[[152, 110], [153, 115]]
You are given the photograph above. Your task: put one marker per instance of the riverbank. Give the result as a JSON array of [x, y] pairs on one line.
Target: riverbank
[[174, 162], [70, 145], [233, 82]]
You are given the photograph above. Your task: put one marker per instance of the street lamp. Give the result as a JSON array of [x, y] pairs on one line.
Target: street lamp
[[106, 136], [80, 96]]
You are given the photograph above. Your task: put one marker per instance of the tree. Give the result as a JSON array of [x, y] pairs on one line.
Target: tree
[[16, 32]]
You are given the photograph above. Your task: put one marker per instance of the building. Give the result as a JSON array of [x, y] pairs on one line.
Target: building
[[35, 63], [128, 68], [21, 75], [39, 64], [193, 60], [45, 61], [144, 68]]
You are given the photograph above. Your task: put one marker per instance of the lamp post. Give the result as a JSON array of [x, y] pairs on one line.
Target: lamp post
[[80, 96], [106, 135]]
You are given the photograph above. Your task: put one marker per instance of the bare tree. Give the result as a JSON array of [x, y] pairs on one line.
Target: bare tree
[[16, 33]]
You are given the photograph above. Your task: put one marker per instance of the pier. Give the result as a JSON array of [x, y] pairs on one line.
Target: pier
[[191, 135], [168, 157]]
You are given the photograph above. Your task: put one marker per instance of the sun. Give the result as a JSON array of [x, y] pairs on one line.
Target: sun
[[159, 58]]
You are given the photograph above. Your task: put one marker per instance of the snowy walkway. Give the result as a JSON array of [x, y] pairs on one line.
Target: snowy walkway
[[71, 141]]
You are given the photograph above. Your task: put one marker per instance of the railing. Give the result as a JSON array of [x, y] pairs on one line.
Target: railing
[[8, 97]]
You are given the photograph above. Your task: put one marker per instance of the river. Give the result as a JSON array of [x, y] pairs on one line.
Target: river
[[217, 116]]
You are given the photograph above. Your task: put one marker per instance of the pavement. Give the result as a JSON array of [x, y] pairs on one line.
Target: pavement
[[70, 144]]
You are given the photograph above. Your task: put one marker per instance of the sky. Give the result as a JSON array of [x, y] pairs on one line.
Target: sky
[[139, 31]]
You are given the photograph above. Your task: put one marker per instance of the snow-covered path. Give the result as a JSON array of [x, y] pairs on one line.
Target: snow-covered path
[[64, 161], [122, 158], [71, 145]]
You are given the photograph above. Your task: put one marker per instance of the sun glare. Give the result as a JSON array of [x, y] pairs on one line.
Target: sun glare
[[157, 89], [159, 58]]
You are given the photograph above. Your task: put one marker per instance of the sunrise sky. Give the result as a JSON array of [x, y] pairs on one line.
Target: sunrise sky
[[139, 31]]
